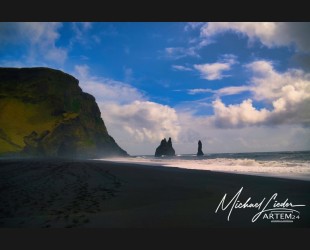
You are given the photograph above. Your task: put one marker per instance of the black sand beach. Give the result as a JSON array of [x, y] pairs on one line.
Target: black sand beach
[[97, 194]]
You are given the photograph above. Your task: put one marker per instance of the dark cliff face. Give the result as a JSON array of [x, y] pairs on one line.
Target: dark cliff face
[[165, 148], [44, 112]]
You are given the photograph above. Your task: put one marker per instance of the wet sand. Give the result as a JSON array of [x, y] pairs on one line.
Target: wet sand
[[59, 193]]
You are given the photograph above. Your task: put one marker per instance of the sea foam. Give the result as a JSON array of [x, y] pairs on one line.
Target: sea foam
[[275, 166]]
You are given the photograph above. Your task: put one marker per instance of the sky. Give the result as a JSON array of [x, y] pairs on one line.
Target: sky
[[237, 87]]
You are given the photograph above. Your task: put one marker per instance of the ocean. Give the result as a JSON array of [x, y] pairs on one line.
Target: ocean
[[292, 165]]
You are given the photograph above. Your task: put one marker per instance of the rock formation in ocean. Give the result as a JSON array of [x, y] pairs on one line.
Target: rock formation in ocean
[[199, 153], [44, 112], [165, 148]]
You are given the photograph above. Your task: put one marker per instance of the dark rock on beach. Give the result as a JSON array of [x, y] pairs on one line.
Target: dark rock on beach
[[165, 148], [200, 153]]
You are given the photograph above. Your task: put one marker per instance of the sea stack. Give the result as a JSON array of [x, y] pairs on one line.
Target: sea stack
[[165, 148], [199, 153]]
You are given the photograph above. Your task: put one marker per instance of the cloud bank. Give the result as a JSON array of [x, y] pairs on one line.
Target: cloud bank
[[287, 93], [134, 121], [128, 114]]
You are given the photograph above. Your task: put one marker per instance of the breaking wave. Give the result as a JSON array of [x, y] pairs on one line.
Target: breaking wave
[[294, 165]]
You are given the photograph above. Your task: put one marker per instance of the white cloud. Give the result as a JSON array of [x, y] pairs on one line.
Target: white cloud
[[284, 125], [237, 115], [80, 29], [232, 90], [130, 118], [192, 25], [39, 37], [199, 91], [196, 43], [138, 125], [181, 68], [81, 71], [214, 71], [105, 89], [143, 121], [270, 34], [180, 52], [268, 84], [287, 93], [247, 139]]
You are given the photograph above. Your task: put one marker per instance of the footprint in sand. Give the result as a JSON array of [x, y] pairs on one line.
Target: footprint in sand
[[69, 226]]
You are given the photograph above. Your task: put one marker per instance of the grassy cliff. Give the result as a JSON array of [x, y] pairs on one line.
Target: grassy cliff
[[44, 112]]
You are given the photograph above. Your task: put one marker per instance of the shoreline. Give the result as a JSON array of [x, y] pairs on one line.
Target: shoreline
[[158, 164], [64, 193]]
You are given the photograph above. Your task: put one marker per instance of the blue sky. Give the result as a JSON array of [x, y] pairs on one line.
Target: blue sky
[[238, 87]]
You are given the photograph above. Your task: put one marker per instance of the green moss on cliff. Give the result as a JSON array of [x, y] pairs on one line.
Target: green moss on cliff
[[44, 112]]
